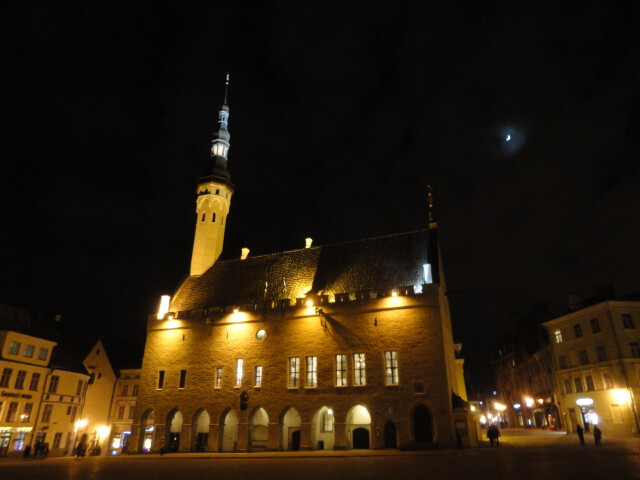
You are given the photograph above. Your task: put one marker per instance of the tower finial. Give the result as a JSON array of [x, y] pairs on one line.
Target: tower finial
[[226, 87], [432, 220]]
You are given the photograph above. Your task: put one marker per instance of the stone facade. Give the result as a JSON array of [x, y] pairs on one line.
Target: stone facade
[[414, 326]]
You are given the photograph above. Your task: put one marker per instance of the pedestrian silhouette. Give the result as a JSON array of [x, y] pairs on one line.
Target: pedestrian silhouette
[[493, 434], [597, 436], [580, 433]]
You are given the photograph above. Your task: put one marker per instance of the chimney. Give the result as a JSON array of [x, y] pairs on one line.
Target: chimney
[[308, 241], [245, 253]]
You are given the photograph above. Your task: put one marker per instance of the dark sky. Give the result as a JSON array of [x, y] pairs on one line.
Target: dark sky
[[341, 115]]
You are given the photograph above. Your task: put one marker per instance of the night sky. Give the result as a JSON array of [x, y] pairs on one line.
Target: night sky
[[525, 119]]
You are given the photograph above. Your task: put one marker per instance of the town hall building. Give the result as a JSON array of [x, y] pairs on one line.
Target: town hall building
[[343, 346]]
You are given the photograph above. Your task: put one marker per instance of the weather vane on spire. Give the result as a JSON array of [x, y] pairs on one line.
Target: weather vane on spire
[[226, 87]]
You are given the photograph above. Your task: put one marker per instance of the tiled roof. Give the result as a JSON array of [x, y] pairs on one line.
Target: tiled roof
[[372, 264]]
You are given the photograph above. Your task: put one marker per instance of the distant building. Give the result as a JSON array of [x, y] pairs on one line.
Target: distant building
[[122, 409], [596, 353], [41, 395], [94, 425], [523, 374], [342, 346]]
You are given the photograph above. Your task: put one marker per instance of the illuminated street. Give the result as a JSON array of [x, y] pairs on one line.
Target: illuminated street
[[522, 455]]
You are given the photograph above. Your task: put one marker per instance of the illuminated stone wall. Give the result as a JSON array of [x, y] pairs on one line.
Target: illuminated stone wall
[[413, 325]]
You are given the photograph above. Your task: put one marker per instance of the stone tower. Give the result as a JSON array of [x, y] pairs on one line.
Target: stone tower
[[214, 198]]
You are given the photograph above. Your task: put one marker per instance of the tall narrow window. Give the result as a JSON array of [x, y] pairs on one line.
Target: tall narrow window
[[218, 377], [391, 367], [601, 353], [120, 412], [125, 390], [359, 375], [294, 372], [79, 388], [46, 413], [341, 370], [42, 353], [35, 379], [634, 348], [135, 391], [627, 321], [26, 414], [12, 412], [222, 220], [238, 372], [327, 421], [213, 217], [56, 439], [607, 380], [259, 376], [595, 325], [160, 379], [577, 330], [557, 335], [183, 378], [577, 382], [588, 380], [203, 215], [6, 376], [53, 383], [312, 372], [74, 412], [22, 375]]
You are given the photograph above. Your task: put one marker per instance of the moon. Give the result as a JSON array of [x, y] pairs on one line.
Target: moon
[[508, 137]]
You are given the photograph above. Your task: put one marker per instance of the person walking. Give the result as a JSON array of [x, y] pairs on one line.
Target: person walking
[[493, 434], [597, 436], [580, 433]]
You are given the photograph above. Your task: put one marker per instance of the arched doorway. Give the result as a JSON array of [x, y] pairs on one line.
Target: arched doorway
[[200, 431], [258, 430], [322, 430], [422, 425], [174, 422], [147, 431], [358, 421], [360, 438], [228, 431], [290, 429], [390, 435]]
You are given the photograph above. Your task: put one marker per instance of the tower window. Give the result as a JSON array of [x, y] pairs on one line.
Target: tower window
[[341, 370], [238, 372], [359, 376], [203, 215], [213, 217], [221, 220], [294, 372], [391, 367], [217, 191], [183, 378]]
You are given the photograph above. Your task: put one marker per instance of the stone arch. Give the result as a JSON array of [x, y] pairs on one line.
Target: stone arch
[[358, 427], [146, 438], [422, 424], [322, 429], [228, 440], [290, 422], [173, 430], [258, 429], [200, 431]]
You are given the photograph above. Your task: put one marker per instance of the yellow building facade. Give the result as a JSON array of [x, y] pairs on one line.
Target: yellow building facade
[[39, 401], [596, 353]]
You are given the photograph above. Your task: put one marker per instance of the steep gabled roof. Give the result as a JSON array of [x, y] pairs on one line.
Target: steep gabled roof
[[372, 264]]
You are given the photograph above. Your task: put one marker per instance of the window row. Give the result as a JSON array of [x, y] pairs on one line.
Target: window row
[[121, 412], [21, 376], [294, 373], [213, 218], [12, 412], [28, 351], [580, 384], [583, 357], [560, 336], [125, 391]]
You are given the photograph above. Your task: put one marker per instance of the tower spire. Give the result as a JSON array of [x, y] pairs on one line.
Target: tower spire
[[226, 88]]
